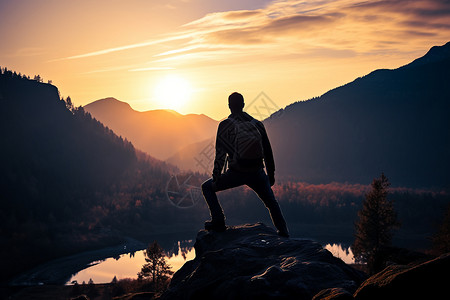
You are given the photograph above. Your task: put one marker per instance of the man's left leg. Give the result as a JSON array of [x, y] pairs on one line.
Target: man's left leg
[[227, 180], [217, 221], [261, 185]]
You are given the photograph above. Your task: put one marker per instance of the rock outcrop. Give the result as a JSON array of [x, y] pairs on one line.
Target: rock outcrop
[[252, 262], [428, 280]]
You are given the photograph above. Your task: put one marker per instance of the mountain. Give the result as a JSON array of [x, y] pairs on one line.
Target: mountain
[[160, 133], [197, 157], [42, 134], [68, 183], [391, 121]]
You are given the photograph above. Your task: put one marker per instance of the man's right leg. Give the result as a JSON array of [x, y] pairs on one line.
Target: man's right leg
[[260, 184], [227, 180], [217, 216]]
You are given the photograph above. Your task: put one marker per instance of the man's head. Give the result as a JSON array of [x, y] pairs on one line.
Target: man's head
[[236, 102]]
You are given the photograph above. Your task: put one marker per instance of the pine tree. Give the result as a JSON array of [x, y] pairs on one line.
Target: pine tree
[[69, 104], [376, 221], [156, 267], [92, 289]]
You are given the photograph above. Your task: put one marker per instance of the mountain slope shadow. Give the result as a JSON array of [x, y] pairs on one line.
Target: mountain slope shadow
[[392, 121]]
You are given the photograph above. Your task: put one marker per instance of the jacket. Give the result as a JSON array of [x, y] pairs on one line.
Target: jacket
[[225, 145]]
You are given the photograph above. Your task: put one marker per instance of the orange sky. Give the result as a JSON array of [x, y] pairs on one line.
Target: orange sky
[[202, 50]]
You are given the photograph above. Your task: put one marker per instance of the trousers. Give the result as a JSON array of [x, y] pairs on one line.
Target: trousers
[[258, 181]]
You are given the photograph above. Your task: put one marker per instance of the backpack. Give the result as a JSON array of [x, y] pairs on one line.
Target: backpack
[[247, 142]]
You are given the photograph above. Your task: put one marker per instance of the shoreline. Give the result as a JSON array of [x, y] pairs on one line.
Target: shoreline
[[59, 271]]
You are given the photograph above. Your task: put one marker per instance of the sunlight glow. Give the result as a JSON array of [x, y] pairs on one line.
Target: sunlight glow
[[341, 252], [292, 50], [172, 92], [126, 266]]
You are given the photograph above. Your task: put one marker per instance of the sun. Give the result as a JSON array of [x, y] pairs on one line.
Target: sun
[[172, 92]]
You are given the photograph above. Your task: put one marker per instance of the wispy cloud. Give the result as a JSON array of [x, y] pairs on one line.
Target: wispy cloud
[[132, 68], [176, 51], [292, 26], [151, 69], [327, 22], [128, 47], [338, 28]]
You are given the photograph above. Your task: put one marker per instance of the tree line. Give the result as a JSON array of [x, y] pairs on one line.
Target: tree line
[[68, 182], [13, 74]]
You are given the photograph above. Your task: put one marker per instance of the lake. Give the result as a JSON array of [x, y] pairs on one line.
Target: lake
[[128, 265]]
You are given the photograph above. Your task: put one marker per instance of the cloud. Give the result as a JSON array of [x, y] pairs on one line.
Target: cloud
[[127, 47], [285, 27], [327, 21], [413, 8], [299, 30], [236, 36], [422, 25], [269, 32], [242, 14], [175, 51], [299, 23], [151, 69]]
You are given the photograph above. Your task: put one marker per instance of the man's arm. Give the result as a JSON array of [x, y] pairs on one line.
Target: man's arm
[[268, 155], [219, 160]]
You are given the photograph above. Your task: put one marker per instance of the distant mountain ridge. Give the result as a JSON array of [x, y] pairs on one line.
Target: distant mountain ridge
[[435, 54], [392, 121], [160, 133], [197, 157]]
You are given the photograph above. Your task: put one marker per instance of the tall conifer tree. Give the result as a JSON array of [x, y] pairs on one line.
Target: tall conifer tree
[[377, 219], [156, 267]]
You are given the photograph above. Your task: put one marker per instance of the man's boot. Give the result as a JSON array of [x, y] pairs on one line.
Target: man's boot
[[216, 225], [283, 233]]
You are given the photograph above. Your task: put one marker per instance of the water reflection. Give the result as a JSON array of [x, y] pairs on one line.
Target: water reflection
[[342, 252], [128, 265]]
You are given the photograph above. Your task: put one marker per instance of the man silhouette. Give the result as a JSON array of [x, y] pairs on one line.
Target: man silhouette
[[241, 171]]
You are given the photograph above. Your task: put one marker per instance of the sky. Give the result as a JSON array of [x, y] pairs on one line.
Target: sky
[[189, 55]]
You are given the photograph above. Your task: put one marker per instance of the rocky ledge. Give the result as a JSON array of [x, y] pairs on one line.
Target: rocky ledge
[[426, 280], [252, 262]]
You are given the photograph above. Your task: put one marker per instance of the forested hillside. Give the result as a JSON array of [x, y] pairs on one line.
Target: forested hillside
[[392, 121], [68, 183]]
